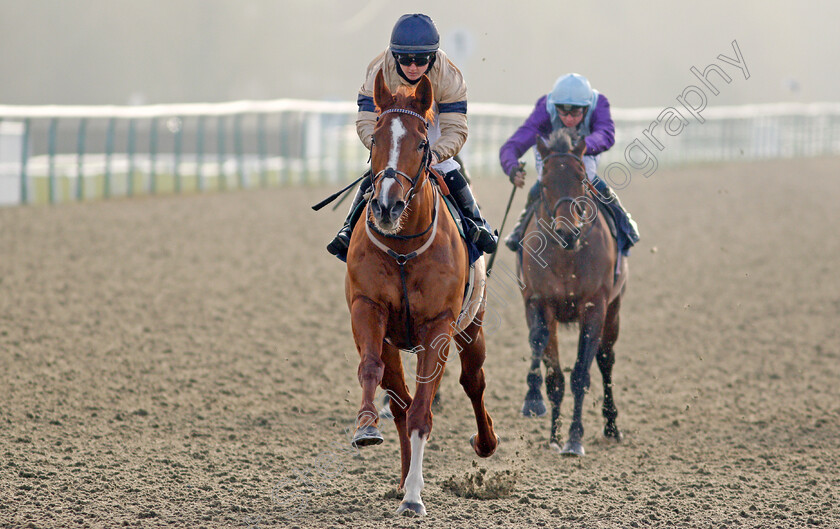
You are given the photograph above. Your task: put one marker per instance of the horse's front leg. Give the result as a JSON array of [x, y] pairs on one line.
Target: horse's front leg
[[369, 320], [536, 313], [591, 328], [555, 384], [435, 338], [399, 400]]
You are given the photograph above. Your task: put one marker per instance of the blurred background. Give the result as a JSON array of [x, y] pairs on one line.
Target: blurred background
[[298, 64], [639, 53]]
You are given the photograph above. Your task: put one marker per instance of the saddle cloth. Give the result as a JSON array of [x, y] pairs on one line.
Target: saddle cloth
[[473, 294], [609, 215], [458, 217], [474, 290]]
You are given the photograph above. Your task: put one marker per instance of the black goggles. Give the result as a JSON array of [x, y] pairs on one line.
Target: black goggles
[[407, 58], [569, 110]]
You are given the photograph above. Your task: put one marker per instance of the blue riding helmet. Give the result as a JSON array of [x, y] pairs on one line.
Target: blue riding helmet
[[414, 34], [571, 89]]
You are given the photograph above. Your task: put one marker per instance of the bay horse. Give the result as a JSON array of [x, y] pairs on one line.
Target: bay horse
[[567, 262], [405, 284]]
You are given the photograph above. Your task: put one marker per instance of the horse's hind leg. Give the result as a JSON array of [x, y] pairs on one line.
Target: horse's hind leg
[[385, 410], [399, 399], [591, 328], [471, 347], [538, 336], [606, 359]]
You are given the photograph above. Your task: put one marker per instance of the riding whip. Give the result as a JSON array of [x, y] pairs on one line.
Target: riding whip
[[334, 196], [504, 219], [341, 201]]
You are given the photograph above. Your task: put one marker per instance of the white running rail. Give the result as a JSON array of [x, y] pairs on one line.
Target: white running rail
[[56, 153]]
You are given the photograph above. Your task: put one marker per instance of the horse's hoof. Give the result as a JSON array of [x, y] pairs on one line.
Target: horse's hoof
[[482, 454], [367, 436], [411, 508], [385, 412], [613, 435], [573, 449], [533, 408]]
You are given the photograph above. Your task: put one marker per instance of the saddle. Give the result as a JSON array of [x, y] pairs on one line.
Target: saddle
[[474, 276], [460, 221], [609, 216]]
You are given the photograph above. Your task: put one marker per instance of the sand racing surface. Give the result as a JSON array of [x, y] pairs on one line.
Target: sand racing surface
[[187, 361]]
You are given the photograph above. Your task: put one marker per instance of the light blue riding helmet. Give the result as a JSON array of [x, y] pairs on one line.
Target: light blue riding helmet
[[571, 89]]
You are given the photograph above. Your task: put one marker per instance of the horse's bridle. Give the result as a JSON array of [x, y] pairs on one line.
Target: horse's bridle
[[402, 259], [389, 172], [574, 200]]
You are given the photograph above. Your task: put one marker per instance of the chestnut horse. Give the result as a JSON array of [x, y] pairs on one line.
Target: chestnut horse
[[406, 277], [568, 265]]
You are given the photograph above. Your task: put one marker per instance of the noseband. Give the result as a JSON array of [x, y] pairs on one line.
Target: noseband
[[389, 172]]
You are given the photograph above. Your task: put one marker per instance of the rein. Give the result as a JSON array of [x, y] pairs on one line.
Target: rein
[[391, 173], [402, 259], [589, 187], [576, 158], [370, 227]]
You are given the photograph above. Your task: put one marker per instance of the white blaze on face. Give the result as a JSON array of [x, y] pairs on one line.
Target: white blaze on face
[[397, 132]]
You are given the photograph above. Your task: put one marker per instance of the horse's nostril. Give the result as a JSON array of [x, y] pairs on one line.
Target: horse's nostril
[[374, 207], [397, 210]]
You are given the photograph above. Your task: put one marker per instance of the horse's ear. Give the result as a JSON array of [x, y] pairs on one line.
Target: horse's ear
[[423, 95], [580, 147], [542, 146], [382, 96]]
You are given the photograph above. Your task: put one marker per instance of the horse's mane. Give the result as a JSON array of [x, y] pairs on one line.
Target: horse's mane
[[562, 140], [402, 96]]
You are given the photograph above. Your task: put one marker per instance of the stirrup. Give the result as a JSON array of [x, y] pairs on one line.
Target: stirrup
[[486, 241], [482, 237], [514, 238], [340, 243], [512, 241]]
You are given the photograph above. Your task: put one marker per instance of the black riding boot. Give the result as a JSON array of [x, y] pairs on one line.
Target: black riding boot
[[512, 241], [478, 230], [339, 245], [627, 228]]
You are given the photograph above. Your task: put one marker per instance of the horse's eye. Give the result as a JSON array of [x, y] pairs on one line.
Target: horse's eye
[[422, 145], [372, 140]]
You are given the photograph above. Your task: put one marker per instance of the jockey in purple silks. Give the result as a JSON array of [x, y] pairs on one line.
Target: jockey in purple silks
[[414, 52], [572, 103]]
